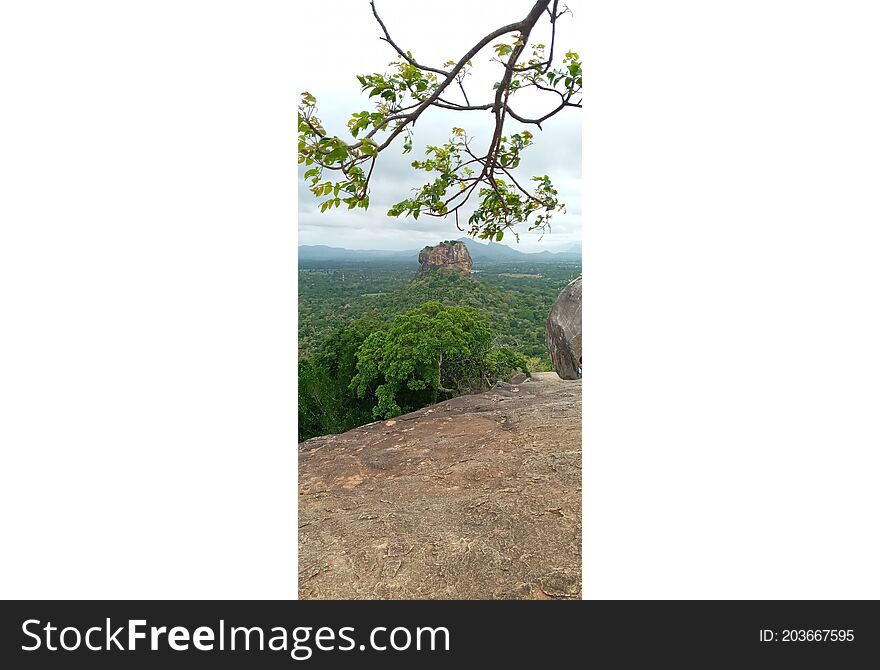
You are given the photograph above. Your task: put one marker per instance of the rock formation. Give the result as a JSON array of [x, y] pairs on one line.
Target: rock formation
[[563, 335], [450, 255], [478, 497]]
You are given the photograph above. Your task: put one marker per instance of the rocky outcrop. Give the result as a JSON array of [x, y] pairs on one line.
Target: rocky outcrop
[[563, 334], [478, 497], [448, 255]]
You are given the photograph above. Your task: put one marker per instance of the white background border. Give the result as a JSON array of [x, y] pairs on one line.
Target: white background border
[[732, 367], [148, 296]]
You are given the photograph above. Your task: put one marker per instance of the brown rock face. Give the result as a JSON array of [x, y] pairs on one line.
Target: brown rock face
[[563, 335], [478, 497], [450, 255]]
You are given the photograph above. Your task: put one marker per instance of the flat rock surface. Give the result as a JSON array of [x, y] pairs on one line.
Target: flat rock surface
[[477, 497]]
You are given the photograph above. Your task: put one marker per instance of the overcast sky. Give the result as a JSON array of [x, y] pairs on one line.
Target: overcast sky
[[339, 39]]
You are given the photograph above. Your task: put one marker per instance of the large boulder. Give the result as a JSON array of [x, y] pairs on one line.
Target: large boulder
[[564, 331], [448, 255]]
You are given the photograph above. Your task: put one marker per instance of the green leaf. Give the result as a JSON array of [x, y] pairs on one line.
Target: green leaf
[[369, 148], [338, 154]]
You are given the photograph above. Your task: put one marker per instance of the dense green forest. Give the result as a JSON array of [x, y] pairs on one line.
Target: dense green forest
[[375, 342]]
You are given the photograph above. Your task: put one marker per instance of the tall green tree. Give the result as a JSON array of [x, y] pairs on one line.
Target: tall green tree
[[431, 350], [326, 403]]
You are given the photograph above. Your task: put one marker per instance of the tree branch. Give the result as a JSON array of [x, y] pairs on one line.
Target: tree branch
[[546, 116], [406, 95], [405, 55]]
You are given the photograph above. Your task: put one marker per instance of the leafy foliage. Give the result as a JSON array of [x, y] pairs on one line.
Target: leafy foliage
[[457, 169], [515, 297], [503, 363], [326, 404], [337, 317], [426, 351]]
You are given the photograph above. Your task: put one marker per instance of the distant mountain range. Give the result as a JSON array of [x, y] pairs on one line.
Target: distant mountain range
[[479, 251]]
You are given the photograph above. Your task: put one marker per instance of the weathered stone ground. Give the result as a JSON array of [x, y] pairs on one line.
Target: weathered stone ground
[[478, 497]]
